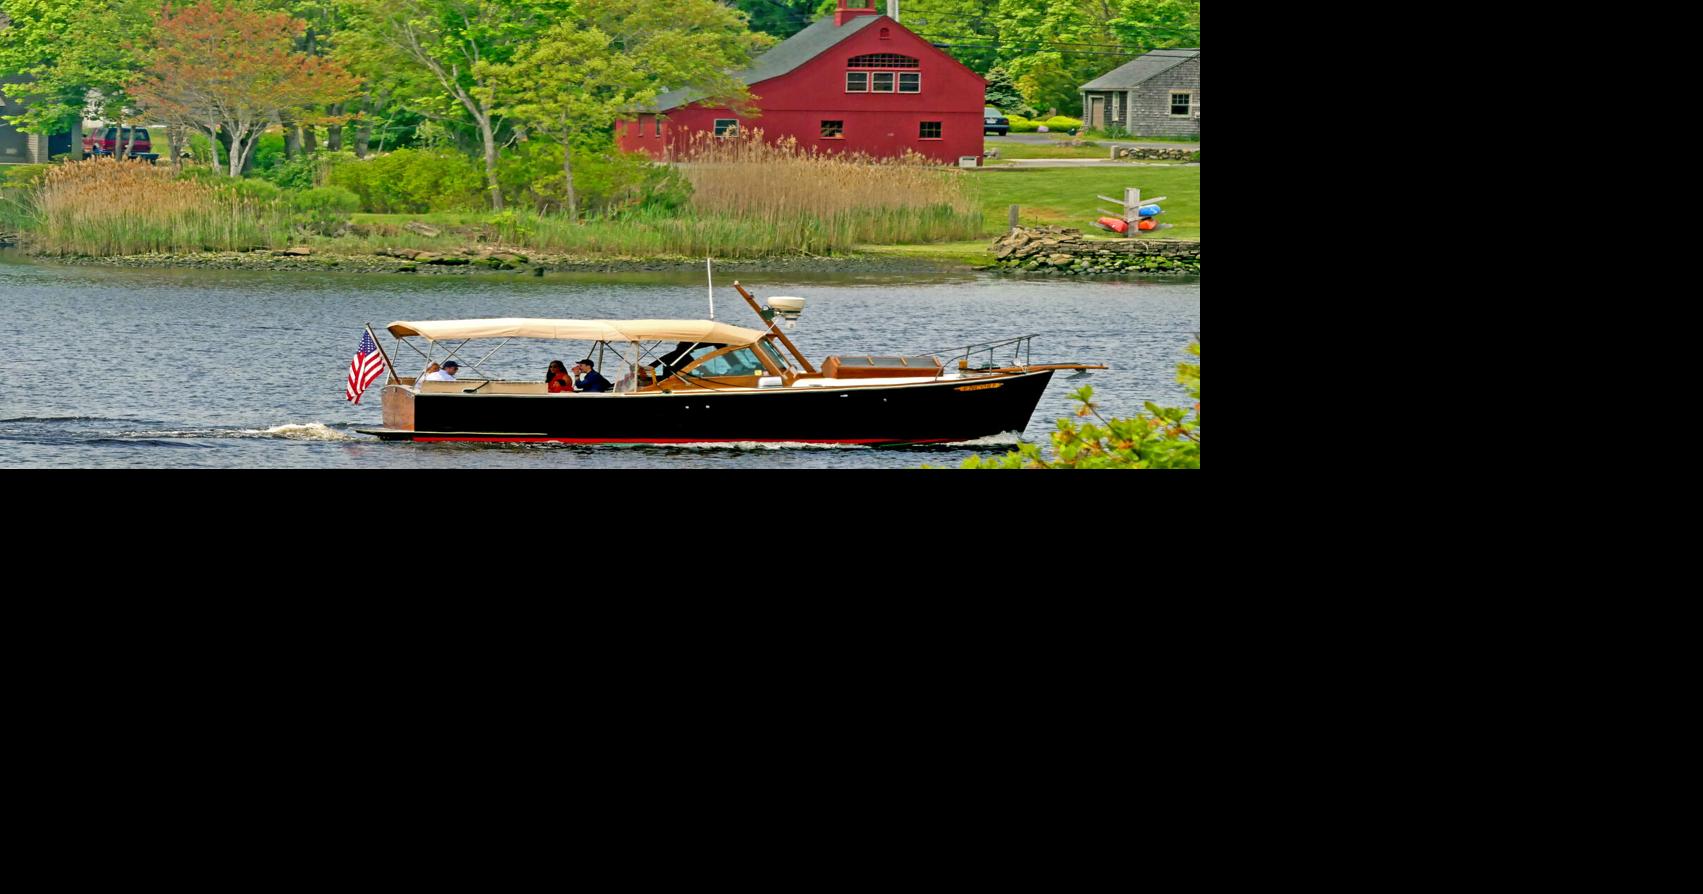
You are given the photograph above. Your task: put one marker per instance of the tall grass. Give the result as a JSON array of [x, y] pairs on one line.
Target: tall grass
[[659, 234], [104, 207], [828, 202]]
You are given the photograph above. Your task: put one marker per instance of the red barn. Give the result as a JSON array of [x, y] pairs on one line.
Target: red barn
[[856, 82]]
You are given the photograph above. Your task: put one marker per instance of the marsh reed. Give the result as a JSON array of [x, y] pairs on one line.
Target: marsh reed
[[104, 207]]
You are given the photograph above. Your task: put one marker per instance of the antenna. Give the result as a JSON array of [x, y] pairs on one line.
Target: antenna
[[711, 277]]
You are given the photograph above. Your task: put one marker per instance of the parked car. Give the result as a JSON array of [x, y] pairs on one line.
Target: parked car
[[995, 123], [111, 140]]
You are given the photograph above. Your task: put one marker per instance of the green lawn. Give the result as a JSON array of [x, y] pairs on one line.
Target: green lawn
[[1066, 196]]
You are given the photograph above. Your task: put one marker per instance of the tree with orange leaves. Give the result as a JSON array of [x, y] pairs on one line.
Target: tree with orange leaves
[[214, 66]]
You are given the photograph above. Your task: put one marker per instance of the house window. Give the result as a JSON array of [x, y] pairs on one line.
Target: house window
[[882, 60], [833, 130], [930, 130], [910, 82], [857, 82], [1180, 103], [727, 127], [881, 82]]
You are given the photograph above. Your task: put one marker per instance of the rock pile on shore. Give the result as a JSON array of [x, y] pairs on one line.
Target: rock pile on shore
[[1064, 250]]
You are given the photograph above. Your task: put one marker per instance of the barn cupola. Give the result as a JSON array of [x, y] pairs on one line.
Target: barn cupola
[[851, 9]]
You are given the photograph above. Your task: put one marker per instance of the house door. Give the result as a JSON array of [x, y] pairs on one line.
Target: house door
[[1096, 111]]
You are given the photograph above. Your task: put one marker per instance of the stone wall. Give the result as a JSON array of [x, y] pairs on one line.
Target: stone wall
[[1166, 154], [1064, 250]]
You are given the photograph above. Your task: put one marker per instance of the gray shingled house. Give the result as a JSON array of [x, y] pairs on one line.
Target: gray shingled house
[[1156, 95]]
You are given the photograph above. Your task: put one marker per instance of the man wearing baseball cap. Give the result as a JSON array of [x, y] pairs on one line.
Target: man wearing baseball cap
[[447, 374]]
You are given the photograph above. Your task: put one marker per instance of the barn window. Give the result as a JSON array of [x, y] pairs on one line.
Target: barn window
[[882, 60], [1180, 102], [881, 82], [910, 82], [833, 130], [930, 130], [658, 120], [727, 127], [886, 33], [857, 82]]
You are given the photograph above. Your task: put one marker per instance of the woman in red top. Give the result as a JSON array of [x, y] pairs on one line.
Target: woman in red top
[[558, 379]]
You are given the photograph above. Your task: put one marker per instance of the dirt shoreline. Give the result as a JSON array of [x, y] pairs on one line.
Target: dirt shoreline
[[533, 265]]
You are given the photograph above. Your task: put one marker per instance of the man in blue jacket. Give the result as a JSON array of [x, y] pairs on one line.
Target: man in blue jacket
[[588, 379]]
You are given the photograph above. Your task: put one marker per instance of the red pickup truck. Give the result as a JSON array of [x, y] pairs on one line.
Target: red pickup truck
[[110, 141]]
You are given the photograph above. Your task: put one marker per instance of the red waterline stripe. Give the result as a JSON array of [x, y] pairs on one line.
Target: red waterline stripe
[[687, 440]]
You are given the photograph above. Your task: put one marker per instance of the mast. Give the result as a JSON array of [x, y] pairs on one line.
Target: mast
[[770, 325]]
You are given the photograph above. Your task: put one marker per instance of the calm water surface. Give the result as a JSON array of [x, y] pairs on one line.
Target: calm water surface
[[225, 369]]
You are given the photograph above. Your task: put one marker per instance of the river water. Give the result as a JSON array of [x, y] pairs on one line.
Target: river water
[[103, 367]]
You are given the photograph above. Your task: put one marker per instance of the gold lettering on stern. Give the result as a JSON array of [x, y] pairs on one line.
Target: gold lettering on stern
[[979, 387]]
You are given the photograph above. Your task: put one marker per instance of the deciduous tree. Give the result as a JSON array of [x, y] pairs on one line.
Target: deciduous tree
[[217, 67]]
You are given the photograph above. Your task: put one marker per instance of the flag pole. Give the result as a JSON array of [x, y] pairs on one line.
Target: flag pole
[[711, 277], [388, 368]]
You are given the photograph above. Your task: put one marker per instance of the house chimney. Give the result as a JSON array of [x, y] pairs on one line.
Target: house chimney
[[851, 9]]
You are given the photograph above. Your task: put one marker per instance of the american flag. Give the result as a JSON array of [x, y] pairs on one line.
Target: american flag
[[366, 366]]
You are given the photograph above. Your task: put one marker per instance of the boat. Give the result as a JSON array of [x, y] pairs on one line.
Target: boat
[[704, 381]]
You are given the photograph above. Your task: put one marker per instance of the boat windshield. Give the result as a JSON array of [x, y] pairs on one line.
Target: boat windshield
[[774, 354], [738, 362]]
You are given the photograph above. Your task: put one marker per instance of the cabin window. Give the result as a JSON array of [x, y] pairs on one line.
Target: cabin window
[[833, 130], [857, 82], [1180, 103], [930, 130], [910, 82], [742, 362], [881, 82], [727, 127]]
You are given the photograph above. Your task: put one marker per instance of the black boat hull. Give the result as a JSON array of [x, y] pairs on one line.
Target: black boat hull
[[931, 412]]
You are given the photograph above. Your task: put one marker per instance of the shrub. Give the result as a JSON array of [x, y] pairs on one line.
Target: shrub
[[325, 209], [23, 176], [1164, 438], [1019, 124], [268, 153], [254, 190], [413, 181], [307, 170], [1061, 123], [605, 182], [1114, 132]]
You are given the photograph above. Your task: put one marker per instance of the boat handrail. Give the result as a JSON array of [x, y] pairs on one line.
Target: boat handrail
[[1020, 345]]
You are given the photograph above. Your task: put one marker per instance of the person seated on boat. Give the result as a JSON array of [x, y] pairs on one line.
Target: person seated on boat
[[444, 374], [558, 379], [588, 379]]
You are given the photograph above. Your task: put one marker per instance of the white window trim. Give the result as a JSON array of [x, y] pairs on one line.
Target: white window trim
[[1169, 104], [895, 82], [865, 81], [900, 83], [717, 130]]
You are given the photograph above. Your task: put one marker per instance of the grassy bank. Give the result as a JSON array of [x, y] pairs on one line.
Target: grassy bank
[[1066, 196]]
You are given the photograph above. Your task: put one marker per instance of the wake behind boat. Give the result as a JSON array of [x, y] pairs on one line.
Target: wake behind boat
[[703, 381]]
